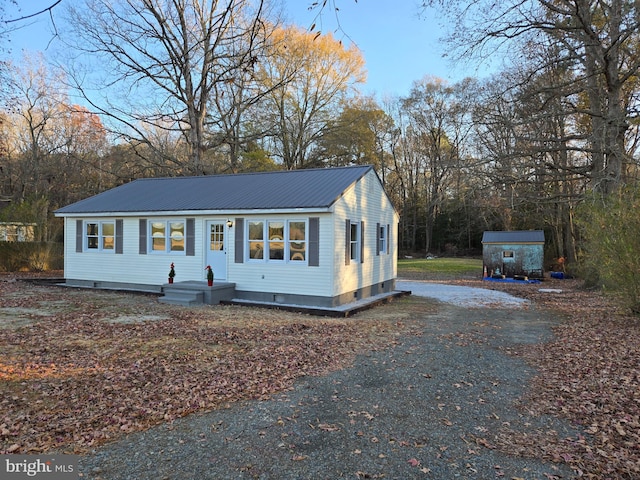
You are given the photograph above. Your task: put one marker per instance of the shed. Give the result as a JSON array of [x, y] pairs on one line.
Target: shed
[[319, 237], [514, 253]]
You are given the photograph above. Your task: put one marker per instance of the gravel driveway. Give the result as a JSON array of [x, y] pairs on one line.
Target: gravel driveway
[[423, 408], [462, 296]]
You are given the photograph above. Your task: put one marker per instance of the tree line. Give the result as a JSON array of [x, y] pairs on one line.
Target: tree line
[[179, 87]]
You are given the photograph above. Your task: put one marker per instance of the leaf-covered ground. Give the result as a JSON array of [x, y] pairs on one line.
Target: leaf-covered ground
[[79, 368], [589, 374]]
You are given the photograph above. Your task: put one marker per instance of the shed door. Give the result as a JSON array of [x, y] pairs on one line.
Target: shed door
[[509, 263], [216, 245]]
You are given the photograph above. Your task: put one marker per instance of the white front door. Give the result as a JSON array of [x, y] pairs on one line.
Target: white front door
[[216, 245]]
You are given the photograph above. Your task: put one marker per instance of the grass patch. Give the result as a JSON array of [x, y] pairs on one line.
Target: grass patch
[[439, 268]]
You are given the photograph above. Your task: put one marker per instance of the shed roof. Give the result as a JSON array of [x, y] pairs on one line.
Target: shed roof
[[514, 236], [294, 189]]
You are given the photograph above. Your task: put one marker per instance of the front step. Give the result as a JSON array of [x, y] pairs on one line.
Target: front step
[[185, 298], [191, 293]]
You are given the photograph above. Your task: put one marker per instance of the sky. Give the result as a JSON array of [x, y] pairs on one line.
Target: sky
[[398, 45]]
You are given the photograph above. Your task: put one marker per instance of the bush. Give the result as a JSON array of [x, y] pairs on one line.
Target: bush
[[609, 256], [30, 256]]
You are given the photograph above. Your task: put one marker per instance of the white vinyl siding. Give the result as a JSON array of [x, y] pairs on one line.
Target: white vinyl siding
[[296, 275], [130, 266], [314, 259], [370, 268]]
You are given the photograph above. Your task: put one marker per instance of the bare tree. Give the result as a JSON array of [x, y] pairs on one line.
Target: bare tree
[[53, 148], [308, 76], [163, 59], [597, 40], [437, 116], [39, 101]]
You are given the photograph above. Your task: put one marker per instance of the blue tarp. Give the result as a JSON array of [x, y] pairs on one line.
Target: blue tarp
[[510, 280]]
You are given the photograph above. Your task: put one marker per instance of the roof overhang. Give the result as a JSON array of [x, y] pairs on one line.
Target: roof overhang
[[197, 213]]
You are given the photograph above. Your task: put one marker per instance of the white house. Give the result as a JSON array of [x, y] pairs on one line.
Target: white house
[[321, 237]]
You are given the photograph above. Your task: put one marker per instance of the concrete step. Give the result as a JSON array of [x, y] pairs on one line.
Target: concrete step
[[180, 293], [185, 298]]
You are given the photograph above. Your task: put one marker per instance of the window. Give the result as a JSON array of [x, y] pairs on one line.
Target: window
[[100, 236], [355, 241], [107, 236], [382, 239], [93, 236], [176, 230], [158, 237], [216, 236], [507, 254], [297, 241], [167, 236], [17, 232], [277, 240], [256, 240]]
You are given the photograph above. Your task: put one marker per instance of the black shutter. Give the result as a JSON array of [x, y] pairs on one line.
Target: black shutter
[[79, 236], [239, 240], [388, 237], [362, 242], [314, 241], [191, 237], [377, 239], [143, 237], [347, 241], [119, 236]]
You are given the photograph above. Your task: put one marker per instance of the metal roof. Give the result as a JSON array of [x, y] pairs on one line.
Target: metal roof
[[313, 188], [515, 236]]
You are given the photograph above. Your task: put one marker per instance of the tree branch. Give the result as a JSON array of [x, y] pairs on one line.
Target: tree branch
[[48, 9]]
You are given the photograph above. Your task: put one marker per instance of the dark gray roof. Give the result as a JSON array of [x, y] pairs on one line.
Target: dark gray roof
[[515, 236], [313, 188]]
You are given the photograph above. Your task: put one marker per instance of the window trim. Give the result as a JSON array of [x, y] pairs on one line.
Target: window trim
[[304, 251], [383, 239], [167, 236], [355, 252], [354, 243], [99, 236], [286, 241]]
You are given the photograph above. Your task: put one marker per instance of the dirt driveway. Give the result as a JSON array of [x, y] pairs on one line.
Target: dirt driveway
[[435, 403]]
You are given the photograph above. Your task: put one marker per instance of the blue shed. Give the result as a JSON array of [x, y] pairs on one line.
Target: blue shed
[[514, 253]]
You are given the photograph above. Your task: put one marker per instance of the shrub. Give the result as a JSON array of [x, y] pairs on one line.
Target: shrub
[[609, 256], [30, 256]]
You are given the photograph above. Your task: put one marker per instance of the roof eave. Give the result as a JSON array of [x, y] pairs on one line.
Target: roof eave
[[182, 213]]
